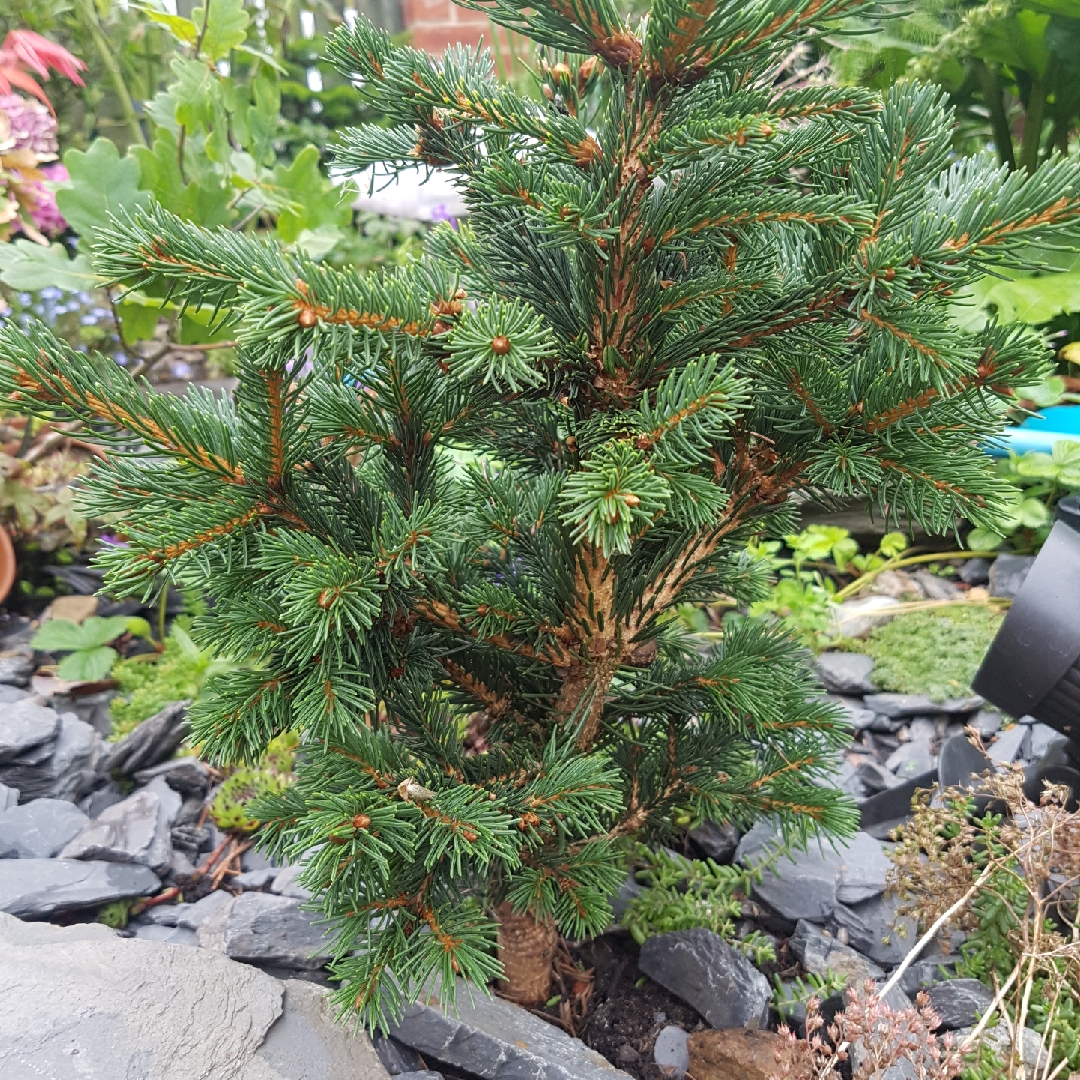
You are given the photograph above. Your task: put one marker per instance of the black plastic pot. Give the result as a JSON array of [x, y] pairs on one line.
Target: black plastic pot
[[1033, 665]]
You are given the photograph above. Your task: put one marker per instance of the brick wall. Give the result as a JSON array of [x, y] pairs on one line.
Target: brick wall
[[434, 24]]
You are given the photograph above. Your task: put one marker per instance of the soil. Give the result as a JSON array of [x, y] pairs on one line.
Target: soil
[[622, 1018]]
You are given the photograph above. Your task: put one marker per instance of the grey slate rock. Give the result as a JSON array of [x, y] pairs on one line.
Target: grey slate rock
[[264, 929], [153, 741], [627, 893], [924, 973], [911, 759], [133, 831], [421, 1074], [975, 572], [901, 706], [809, 884], [38, 888], [962, 707], [1010, 744], [192, 916], [396, 1057], [39, 829], [1043, 740], [16, 669], [188, 775], [496, 1040], [717, 841], [70, 771], [936, 588], [960, 1002], [819, 953], [9, 797], [1007, 574], [873, 929], [307, 1043], [846, 673], [285, 883], [170, 935], [875, 777], [708, 974], [83, 1002], [670, 1051], [256, 879], [10, 694], [97, 801], [960, 763], [25, 725]]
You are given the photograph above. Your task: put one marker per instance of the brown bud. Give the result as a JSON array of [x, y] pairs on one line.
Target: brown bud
[[307, 318], [500, 345], [631, 500], [361, 821], [649, 245], [561, 71]]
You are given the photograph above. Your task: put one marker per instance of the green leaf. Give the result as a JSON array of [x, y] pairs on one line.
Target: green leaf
[[1034, 464], [205, 202], [226, 27], [29, 266], [1031, 513], [99, 631], [307, 197], [87, 665], [58, 635], [184, 30], [137, 321], [102, 183], [984, 540], [1066, 452], [892, 544]]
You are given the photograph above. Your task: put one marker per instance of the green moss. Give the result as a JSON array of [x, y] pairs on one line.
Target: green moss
[[934, 652], [272, 775], [148, 684], [115, 914]]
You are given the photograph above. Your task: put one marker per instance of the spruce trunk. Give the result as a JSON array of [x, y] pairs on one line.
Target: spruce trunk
[[527, 950]]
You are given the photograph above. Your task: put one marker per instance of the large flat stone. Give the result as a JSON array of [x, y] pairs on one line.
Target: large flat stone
[[808, 884], [133, 831], [81, 1003], [846, 673], [496, 1040], [69, 770], [23, 726], [9, 797], [38, 888], [707, 973], [260, 928], [39, 829]]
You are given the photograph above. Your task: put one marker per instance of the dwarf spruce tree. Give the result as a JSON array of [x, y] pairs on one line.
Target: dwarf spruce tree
[[449, 548]]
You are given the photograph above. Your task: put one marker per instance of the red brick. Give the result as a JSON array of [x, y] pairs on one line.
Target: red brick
[[421, 12], [435, 38]]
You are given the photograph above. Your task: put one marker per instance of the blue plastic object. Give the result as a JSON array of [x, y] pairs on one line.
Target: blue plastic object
[[1039, 432]]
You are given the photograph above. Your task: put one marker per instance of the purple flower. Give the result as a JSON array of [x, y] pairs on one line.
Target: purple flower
[[438, 213]]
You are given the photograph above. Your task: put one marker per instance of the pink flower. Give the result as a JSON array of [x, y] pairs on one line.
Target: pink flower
[[44, 211], [33, 127]]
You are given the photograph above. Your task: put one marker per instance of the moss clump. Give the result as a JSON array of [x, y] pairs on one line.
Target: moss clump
[[115, 914], [272, 775], [934, 652], [148, 684]]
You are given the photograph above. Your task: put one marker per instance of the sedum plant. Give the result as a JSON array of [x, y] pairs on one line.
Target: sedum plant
[[452, 546]]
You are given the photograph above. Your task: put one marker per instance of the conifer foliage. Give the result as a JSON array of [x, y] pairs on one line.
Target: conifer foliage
[[449, 548]]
